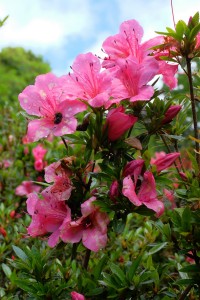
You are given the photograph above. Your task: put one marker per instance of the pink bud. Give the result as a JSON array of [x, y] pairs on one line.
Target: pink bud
[[114, 190], [38, 165], [118, 123], [77, 296], [163, 160], [39, 152], [171, 113], [183, 176]]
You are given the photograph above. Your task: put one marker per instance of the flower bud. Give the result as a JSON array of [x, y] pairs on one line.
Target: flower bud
[[118, 123], [171, 113], [114, 191], [163, 160]]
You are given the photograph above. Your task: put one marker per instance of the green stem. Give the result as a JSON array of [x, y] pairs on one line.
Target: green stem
[[194, 114], [86, 259]]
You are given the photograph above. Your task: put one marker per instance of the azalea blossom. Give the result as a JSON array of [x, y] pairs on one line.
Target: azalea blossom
[[59, 174], [91, 227], [135, 77], [47, 216], [128, 44], [146, 195], [88, 82], [39, 152], [117, 123], [47, 100], [140, 188], [163, 161], [27, 187]]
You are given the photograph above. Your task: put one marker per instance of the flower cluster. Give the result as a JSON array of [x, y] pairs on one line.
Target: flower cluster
[[96, 106]]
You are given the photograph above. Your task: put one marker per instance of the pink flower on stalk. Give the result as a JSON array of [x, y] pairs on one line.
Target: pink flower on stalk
[[77, 296], [135, 78], [127, 43], [146, 195], [91, 227], [118, 123], [62, 186], [47, 100], [87, 82], [171, 113], [163, 161], [47, 216], [27, 187], [39, 152]]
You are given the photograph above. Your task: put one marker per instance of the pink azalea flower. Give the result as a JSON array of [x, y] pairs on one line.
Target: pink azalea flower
[[47, 216], [27, 187], [135, 77], [39, 152], [133, 168], [77, 296], [127, 43], [146, 195], [88, 83], [62, 187], [39, 165], [163, 161], [91, 227], [171, 113], [46, 100], [118, 123], [6, 163]]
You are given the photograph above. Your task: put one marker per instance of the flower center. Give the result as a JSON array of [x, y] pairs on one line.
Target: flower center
[[57, 118]]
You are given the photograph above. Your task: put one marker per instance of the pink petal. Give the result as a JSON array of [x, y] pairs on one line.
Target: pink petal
[[128, 191], [38, 129], [94, 239]]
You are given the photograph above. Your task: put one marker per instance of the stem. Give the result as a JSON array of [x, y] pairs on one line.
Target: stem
[[180, 159], [86, 259], [74, 251], [186, 291], [194, 114], [66, 146]]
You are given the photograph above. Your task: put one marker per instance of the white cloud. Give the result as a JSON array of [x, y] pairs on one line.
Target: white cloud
[[42, 24]]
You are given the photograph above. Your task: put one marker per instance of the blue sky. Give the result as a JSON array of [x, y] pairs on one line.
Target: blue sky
[[61, 29]]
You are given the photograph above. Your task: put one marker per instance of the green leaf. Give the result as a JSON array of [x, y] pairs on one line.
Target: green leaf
[[180, 29], [186, 219], [118, 272], [26, 285], [191, 268], [186, 281], [20, 253], [108, 281], [6, 270], [98, 269], [157, 248], [95, 292], [194, 32], [133, 268]]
